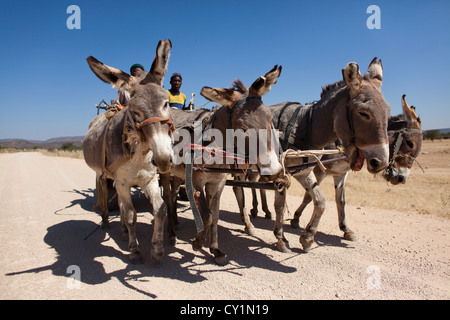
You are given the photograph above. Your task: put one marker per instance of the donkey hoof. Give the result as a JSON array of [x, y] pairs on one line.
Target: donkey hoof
[[350, 236], [295, 224], [282, 247], [136, 258], [221, 261], [306, 243], [157, 253], [105, 225], [220, 258], [250, 231], [268, 216], [197, 245], [157, 258], [254, 213], [173, 241]]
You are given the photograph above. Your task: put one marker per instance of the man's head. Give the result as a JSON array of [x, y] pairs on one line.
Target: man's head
[[175, 81], [135, 69]]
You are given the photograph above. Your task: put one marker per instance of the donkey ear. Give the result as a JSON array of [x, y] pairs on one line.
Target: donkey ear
[[375, 72], [159, 65], [263, 84], [410, 115], [224, 97], [116, 77], [352, 77]]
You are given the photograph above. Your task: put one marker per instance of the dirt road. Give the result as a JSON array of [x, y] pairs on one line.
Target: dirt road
[[50, 238]]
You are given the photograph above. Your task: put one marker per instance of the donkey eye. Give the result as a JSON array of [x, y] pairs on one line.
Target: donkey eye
[[137, 114], [365, 115], [409, 144]]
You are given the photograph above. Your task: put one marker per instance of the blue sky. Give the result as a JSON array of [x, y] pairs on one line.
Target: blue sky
[[48, 90]]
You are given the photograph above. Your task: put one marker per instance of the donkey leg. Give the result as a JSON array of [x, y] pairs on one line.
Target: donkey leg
[[254, 210], [310, 184], [159, 215], [102, 200], [280, 206], [339, 185], [176, 183], [240, 198], [295, 222], [265, 208], [214, 191], [128, 220], [171, 206], [200, 238]]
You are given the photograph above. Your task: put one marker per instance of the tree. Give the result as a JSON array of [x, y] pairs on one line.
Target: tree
[[68, 146], [432, 134]]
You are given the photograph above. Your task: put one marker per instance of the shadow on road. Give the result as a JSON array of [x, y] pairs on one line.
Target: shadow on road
[[83, 242]]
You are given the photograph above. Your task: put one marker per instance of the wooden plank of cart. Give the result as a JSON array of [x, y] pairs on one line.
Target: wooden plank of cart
[[291, 170]]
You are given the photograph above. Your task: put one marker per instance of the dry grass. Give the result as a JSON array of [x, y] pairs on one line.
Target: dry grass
[[425, 193], [77, 154], [9, 150]]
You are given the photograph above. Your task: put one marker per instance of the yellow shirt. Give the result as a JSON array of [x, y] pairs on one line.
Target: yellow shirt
[[177, 101]]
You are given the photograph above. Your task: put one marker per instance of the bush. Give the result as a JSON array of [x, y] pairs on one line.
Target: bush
[[432, 134], [69, 146]]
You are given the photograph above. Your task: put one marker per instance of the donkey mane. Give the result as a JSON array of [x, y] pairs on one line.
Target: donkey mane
[[399, 118], [329, 88], [239, 86]]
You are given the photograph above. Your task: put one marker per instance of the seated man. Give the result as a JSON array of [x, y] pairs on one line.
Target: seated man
[[134, 69], [124, 96], [177, 99]]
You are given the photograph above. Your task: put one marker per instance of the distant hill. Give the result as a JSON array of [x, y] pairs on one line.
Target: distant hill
[[442, 131], [447, 130], [50, 143]]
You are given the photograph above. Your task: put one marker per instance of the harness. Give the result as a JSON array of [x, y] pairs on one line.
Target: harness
[[237, 105], [108, 171], [288, 138], [156, 119], [350, 109], [129, 124], [189, 165], [400, 129]]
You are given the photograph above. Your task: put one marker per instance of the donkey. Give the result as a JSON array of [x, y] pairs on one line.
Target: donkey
[[352, 110], [242, 108], [132, 146], [405, 137], [405, 143]]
